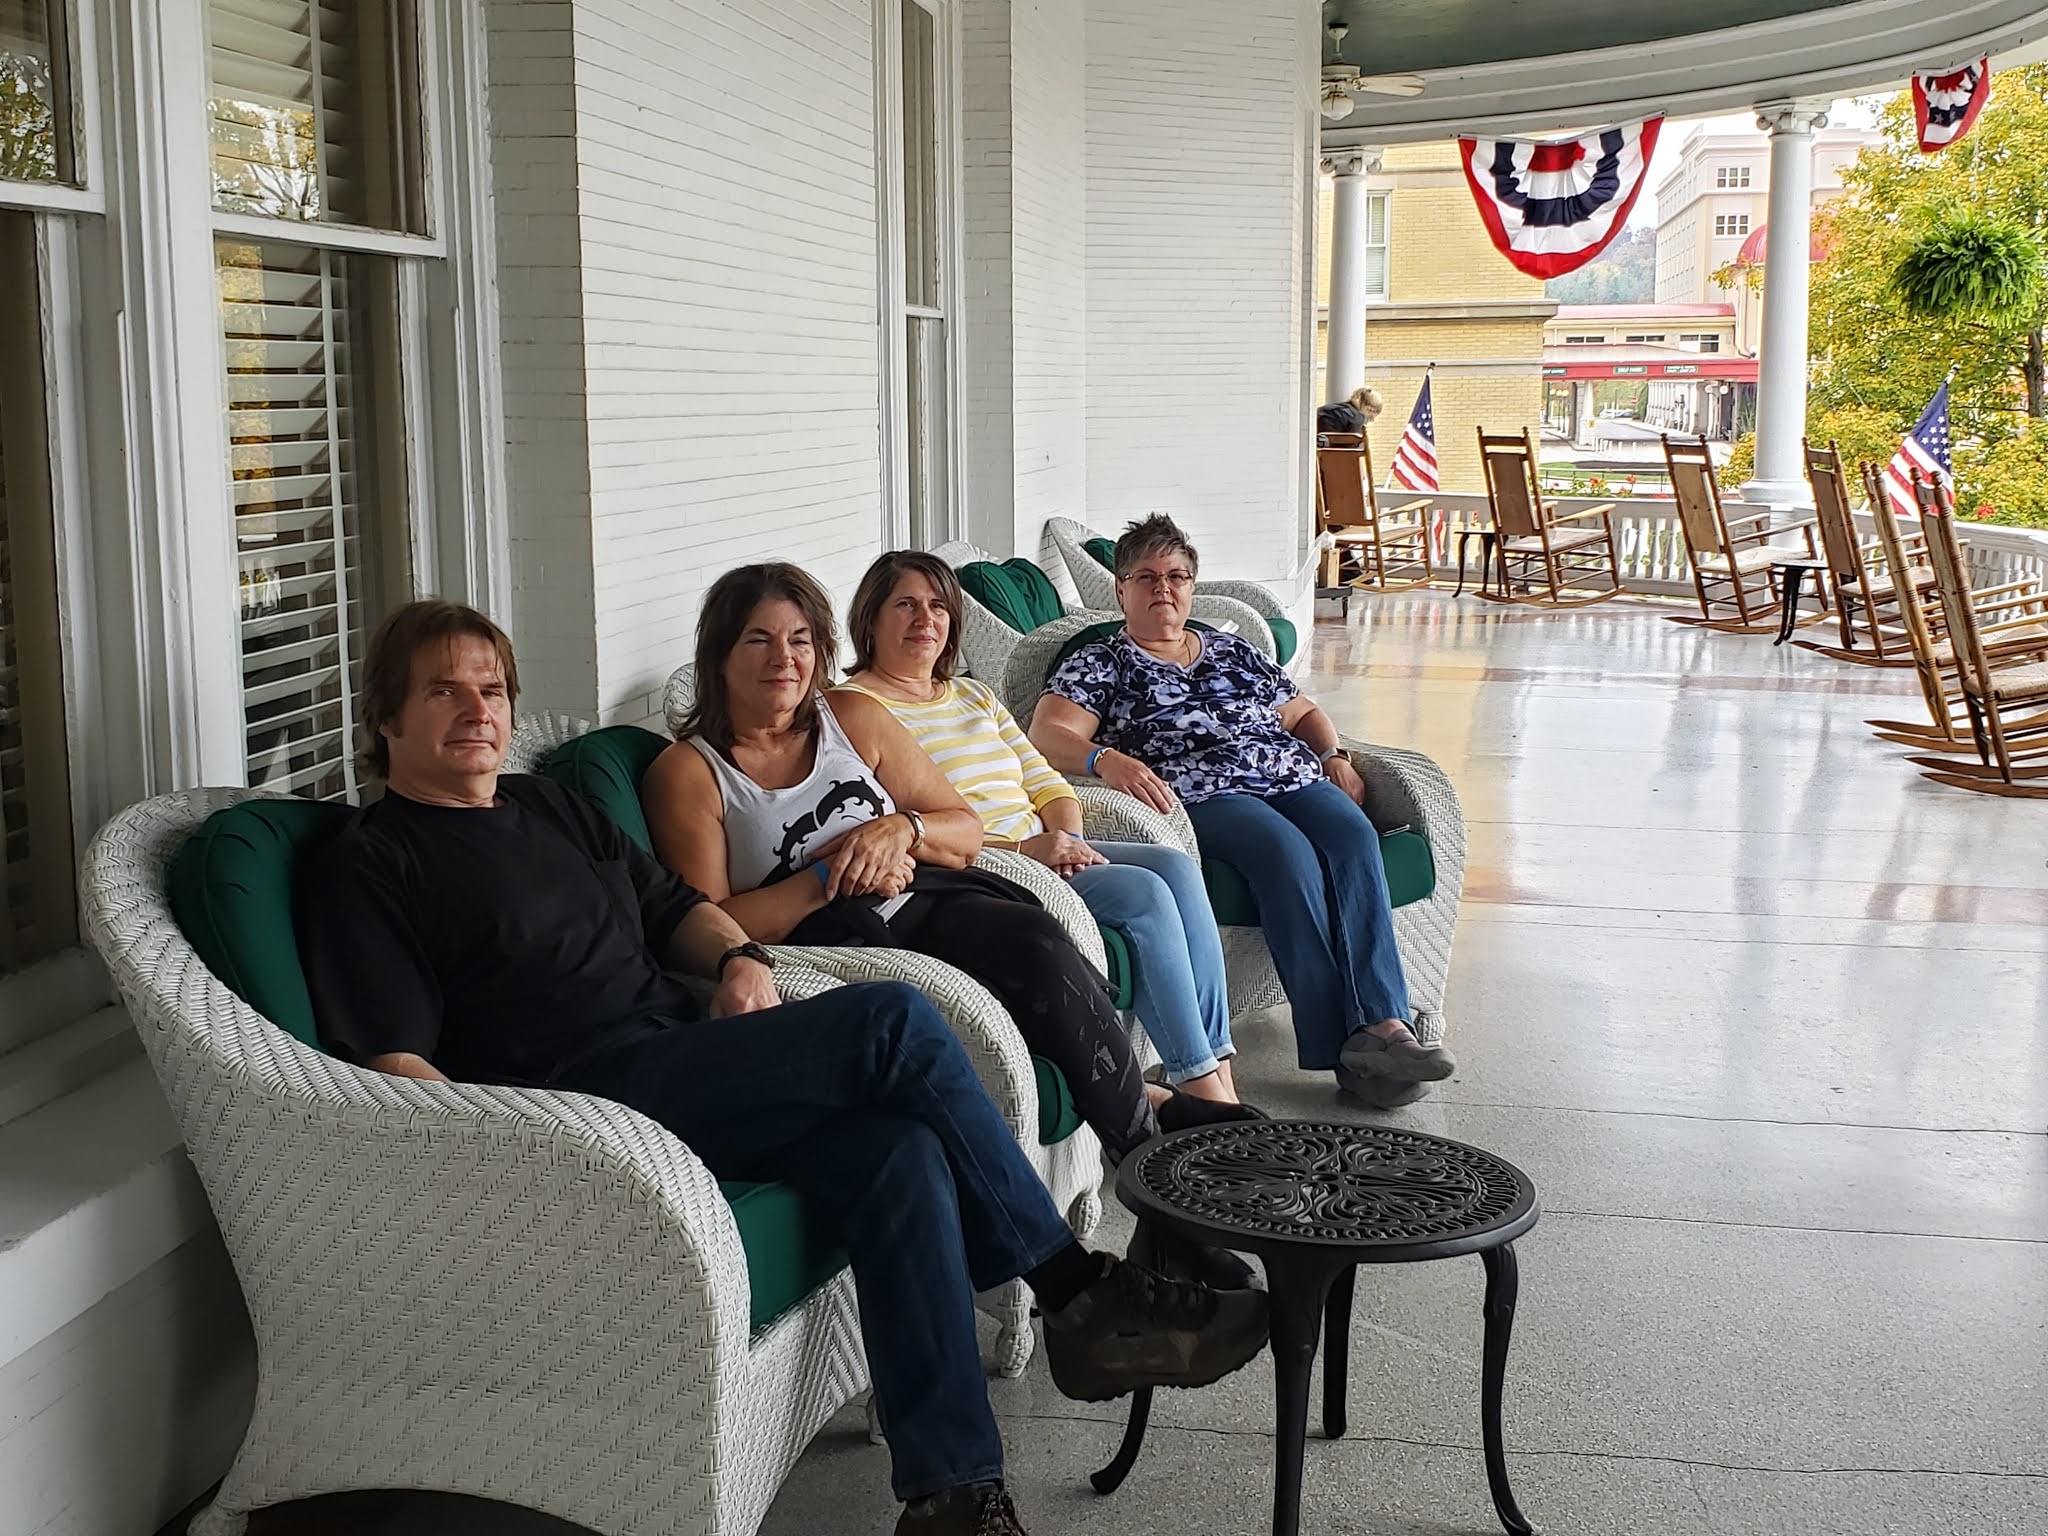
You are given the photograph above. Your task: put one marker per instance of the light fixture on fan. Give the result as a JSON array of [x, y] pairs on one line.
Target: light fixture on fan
[[1341, 80]]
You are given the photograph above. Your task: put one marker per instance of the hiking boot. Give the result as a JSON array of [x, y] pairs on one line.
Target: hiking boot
[[1177, 1258], [1134, 1328], [1399, 1056], [978, 1509]]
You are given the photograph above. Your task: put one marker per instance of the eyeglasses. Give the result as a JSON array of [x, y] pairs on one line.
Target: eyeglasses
[[1180, 581]]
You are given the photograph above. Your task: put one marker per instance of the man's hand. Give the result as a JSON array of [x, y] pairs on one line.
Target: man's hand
[[860, 862], [1119, 770], [1061, 852], [1340, 772], [748, 986]]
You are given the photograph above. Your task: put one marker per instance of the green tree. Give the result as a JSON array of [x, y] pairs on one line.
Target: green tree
[[1877, 361], [28, 128]]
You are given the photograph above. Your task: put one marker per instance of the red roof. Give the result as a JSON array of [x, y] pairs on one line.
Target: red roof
[[1576, 312], [1757, 245]]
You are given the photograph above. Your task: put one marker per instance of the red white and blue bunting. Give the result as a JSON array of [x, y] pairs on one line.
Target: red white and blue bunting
[[1945, 106], [1552, 206]]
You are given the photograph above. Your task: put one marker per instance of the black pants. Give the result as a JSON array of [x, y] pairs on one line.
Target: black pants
[[1023, 955]]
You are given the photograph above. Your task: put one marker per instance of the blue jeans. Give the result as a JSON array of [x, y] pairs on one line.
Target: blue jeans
[[1155, 898], [1313, 863], [863, 1101]]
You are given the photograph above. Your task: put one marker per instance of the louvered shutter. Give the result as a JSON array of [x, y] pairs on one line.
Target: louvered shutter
[[310, 111], [299, 429]]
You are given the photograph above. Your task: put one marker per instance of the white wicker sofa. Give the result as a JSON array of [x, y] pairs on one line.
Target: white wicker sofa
[[1070, 1167], [1402, 789], [527, 1296]]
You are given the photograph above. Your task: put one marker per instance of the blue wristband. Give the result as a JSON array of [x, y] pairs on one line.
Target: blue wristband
[[824, 874], [1090, 768]]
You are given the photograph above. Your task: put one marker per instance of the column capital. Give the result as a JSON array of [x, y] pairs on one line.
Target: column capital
[[1353, 160], [1798, 118]]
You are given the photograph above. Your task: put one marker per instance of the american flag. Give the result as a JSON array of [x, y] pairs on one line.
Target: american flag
[[1925, 449], [1415, 457]]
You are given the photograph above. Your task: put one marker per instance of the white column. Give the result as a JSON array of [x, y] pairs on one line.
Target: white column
[[1345, 369], [1780, 478]]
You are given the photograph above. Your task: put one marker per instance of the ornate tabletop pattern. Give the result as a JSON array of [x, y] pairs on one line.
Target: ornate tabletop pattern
[[1348, 1185]]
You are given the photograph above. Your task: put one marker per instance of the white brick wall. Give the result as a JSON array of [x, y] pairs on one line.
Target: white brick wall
[[726, 168], [531, 74], [1198, 127]]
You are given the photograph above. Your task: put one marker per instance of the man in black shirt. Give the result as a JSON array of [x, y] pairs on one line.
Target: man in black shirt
[[499, 929]]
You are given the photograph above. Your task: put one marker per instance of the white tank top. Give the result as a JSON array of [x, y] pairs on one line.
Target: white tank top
[[772, 833]]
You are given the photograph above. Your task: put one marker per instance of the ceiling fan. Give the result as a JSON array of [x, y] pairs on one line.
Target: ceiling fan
[[1341, 80]]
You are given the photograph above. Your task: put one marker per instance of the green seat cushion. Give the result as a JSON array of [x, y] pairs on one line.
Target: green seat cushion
[[1016, 591], [1411, 876], [790, 1253], [1104, 551], [1122, 975], [606, 767], [1284, 639], [230, 889], [1058, 1118]]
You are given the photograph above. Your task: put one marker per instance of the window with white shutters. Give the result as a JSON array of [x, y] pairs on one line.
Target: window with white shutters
[[37, 916], [1376, 247], [313, 545], [312, 110]]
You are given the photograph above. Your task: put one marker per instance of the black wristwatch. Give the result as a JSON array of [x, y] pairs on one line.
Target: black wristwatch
[[746, 951]]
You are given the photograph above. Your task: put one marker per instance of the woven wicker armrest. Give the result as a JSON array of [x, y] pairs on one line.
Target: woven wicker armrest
[[1111, 816], [1407, 789], [1258, 598], [1242, 618], [1584, 514]]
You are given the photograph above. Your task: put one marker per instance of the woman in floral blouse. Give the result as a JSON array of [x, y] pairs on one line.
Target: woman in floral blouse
[[1205, 719]]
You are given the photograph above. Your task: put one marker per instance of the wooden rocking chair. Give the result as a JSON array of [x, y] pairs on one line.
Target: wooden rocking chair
[[1538, 547], [2000, 666], [1732, 558], [1920, 614], [1390, 545], [1854, 571]]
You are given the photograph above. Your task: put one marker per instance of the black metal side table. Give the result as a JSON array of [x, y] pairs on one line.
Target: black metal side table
[[1487, 538], [1792, 571], [1313, 1200]]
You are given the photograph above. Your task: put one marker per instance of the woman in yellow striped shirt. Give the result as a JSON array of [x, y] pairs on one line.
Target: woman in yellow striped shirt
[[905, 626]]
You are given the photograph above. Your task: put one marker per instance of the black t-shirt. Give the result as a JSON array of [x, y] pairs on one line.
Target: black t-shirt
[[502, 943]]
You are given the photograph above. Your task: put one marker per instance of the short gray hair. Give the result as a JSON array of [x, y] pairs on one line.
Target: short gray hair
[[1154, 535]]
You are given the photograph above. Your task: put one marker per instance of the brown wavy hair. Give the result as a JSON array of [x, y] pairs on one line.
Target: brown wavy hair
[[727, 607], [879, 585], [387, 667]]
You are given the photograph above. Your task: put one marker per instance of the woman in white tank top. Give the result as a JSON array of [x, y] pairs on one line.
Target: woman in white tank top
[[818, 823]]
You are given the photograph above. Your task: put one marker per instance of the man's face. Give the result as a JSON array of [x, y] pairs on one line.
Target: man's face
[[457, 718]]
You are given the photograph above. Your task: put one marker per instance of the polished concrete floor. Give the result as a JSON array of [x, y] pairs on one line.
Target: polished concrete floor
[[1763, 1013]]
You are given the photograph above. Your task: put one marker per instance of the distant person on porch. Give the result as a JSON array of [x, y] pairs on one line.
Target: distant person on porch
[[1206, 720], [497, 928], [905, 623], [1352, 415]]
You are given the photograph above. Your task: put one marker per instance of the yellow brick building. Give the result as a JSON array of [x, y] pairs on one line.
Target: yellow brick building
[[1438, 292]]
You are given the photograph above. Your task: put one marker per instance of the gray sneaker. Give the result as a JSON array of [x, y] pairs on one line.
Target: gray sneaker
[[1400, 1056], [1133, 1328]]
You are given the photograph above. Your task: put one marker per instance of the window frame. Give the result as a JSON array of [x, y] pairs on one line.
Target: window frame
[[893, 310], [82, 194]]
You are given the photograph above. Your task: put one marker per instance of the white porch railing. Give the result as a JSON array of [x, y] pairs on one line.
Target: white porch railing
[[1654, 558]]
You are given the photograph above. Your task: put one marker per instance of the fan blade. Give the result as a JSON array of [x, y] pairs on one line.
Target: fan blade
[[1389, 85]]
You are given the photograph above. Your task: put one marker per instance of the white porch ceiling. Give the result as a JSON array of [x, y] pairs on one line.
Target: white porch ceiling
[[1532, 66]]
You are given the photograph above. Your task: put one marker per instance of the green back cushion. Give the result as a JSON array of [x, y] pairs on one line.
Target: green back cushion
[[230, 889], [1284, 639], [1104, 551], [1411, 876], [606, 767], [1017, 592]]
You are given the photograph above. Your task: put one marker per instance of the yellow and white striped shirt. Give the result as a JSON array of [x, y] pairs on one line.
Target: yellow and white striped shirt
[[984, 755]]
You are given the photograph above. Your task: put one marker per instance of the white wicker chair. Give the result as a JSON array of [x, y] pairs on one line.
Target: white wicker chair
[[1071, 1169], [1097, 585], [986, 641], [1402, 788], [534, 1297]]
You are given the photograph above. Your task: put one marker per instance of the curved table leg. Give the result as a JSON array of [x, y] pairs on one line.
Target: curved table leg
[[1297, 1292], [1794, 579], [1337, 1351], [1502, 1284], [1111, 1477]]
